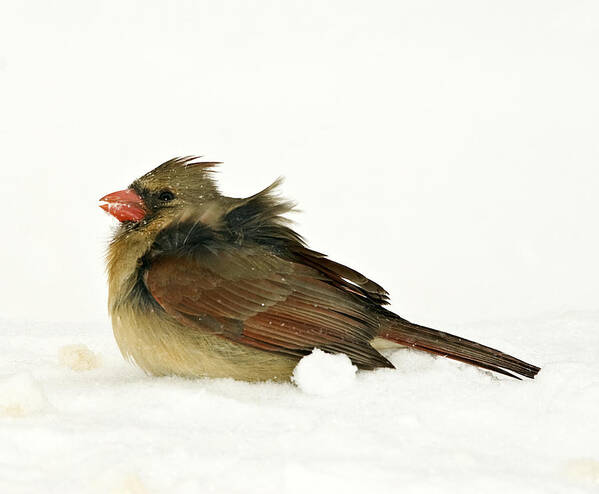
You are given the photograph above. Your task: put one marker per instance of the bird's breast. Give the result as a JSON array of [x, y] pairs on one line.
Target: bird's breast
[[161, 346]]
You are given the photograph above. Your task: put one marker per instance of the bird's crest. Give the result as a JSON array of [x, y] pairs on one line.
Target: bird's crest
[[187, 162], [183, 170]]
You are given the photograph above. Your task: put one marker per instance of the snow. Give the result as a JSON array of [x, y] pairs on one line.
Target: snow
[[324, 374], [78, 357], [431, 425], [20, 395]]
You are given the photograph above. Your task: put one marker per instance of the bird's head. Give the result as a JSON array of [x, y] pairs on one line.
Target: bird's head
[[173, 190]]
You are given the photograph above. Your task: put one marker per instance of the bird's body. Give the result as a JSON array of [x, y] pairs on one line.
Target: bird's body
[[203, 285], [161, 345]]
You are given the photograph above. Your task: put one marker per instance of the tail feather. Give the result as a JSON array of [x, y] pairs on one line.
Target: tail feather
[[431, 340]]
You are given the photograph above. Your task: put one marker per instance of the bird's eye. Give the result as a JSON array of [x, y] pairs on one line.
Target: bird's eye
[[166, 196]]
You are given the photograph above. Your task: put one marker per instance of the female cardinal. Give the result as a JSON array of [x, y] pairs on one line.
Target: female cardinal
[[201, 284]]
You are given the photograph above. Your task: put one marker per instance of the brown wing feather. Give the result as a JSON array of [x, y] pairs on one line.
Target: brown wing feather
[[256, 298], [343, 277]]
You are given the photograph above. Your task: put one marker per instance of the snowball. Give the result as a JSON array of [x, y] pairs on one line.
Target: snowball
[[20, 395], [131, 484], [322, 373], [78, 357], [584, 470]]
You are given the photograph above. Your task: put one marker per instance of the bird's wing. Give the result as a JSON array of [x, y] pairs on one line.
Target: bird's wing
[[254, 297]]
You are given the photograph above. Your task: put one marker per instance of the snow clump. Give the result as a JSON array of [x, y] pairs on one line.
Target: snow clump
[[323, 374], [21, 395], [78, 357]]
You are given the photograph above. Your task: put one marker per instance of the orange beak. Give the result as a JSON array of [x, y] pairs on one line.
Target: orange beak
[[124, 205]]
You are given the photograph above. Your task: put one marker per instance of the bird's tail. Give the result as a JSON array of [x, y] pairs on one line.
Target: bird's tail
[[398, 330]]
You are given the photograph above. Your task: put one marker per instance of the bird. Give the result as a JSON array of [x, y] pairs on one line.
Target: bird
[[205, 285]]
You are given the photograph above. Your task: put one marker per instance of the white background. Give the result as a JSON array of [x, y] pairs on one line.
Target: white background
[[446, 149]]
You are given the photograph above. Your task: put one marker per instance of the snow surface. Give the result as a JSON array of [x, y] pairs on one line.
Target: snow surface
[[432, 425]]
